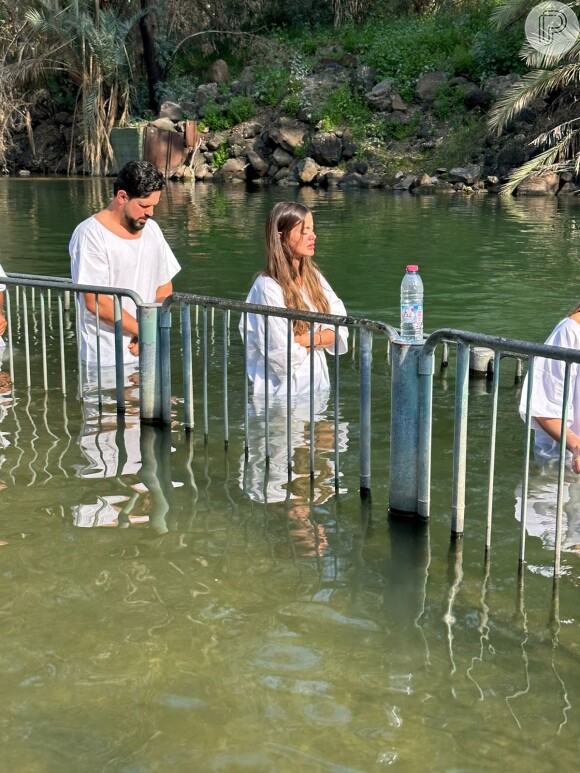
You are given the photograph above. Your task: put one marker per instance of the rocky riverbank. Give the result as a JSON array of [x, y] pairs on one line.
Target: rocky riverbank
[[404, 145]]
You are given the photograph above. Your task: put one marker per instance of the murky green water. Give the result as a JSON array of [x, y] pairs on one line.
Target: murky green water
[[158, 615]]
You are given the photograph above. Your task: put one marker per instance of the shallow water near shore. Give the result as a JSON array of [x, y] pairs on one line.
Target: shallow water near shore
[[166, 607]]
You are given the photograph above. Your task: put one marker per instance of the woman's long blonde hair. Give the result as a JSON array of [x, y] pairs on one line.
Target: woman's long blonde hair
[[283, 217]]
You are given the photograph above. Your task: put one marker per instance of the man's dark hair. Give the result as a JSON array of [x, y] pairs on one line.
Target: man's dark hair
[[139, 179]]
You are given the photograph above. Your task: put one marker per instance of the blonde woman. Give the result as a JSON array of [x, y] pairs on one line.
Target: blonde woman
[[291, 280]]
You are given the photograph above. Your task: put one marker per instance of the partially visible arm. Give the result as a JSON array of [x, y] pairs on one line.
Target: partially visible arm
[[553, 428], [163, 291], [107, 312], [3, 322], [328, 332], [323, 338]]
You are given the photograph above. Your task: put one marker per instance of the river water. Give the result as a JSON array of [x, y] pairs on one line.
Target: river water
[[164, 608]]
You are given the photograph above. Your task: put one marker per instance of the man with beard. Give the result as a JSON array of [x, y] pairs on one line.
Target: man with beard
[[121, 246]]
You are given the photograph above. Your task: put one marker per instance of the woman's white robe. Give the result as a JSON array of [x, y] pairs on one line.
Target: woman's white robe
[[266, 291]]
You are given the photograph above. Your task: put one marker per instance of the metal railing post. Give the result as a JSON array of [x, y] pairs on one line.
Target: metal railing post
[[426, 370], [460, 440], [366, 344], [164, 410], [404, 489], [149, 363]]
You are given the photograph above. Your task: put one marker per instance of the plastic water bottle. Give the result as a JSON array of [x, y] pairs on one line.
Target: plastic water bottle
[[412, 306]]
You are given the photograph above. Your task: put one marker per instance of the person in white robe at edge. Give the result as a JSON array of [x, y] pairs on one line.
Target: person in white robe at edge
[[547, 395], [121, 246], [291, 280], [3, 321], [546, 412], [5, 382]]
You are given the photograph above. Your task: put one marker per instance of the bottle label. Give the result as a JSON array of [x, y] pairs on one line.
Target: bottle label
[[412, 314]]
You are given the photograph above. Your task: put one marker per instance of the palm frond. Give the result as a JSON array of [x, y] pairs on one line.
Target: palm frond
[[509, 12], [553, 159], [533, 85]]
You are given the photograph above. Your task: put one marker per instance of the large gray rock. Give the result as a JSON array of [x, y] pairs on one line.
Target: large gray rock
[[288, 133], [259, 164], [544, 185], [405, 182], [252, 130], [171, 110], [282, 157], [219, 72], [380, 97], [202, 171], [207, 92], [332, 178], [307, 170], [428, 84], [372, 181], [233, 169], [244, 84], [281, 174], [163, 123], [353, 180], [499, 85], [363, 78], [326, 148], [465, 174], [215, 139]]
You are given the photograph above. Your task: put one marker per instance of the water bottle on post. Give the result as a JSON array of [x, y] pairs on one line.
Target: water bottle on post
[[412, 306]]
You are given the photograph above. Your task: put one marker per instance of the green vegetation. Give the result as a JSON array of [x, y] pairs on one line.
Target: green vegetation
[[107, 61], [221, 155], [344, 108]]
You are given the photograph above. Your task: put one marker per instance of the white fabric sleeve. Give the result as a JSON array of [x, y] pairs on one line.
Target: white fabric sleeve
[[2, 274], [89, 263], [336, 307], [548, 385], [168, 263]]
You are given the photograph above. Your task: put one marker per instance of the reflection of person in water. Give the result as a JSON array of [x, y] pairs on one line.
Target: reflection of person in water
[[547, 397], [136, 461], [541, 510], [276, 483]]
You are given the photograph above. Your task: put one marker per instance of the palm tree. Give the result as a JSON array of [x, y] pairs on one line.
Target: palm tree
[[88, 42], [19, 66], [558, 148]]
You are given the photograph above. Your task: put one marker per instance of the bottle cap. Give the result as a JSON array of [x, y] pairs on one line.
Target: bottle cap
[[412, 268]]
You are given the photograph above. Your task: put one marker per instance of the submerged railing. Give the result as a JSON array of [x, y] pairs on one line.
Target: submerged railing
[[365, 328], [33, 301]]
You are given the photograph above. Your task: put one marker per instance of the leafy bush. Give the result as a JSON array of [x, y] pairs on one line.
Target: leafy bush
[[220, 156], [301, 151], [406, 48], [343, 107], [272, 84], [240, 109], [215, 118], [291, 105], [448, 102], [462, 144], [497, 53]]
